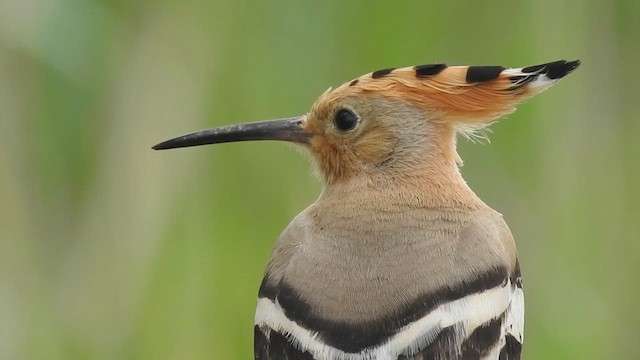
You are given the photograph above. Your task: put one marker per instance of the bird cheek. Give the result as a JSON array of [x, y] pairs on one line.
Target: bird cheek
[[335, 161], [377, 147]]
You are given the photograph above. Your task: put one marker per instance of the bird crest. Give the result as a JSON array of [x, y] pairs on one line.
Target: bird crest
[[466, 96]]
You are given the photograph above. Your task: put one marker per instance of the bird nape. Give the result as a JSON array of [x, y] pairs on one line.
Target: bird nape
[[398, 258]]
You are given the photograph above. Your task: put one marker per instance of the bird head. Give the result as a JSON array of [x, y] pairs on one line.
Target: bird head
[[396, 122]]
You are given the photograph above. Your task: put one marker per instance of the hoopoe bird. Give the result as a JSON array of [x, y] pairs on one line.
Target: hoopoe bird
[[398, 258]]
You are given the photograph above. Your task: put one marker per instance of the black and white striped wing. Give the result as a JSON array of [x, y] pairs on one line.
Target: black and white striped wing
[[514, 322], [483, 324]]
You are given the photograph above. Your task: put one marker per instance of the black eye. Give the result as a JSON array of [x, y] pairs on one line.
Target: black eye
[[345, 120]]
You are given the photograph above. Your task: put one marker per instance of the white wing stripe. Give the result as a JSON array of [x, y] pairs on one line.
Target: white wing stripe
[[515, 316]]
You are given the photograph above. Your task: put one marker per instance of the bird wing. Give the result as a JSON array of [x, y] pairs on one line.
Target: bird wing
[[445, 333], [480, 317]]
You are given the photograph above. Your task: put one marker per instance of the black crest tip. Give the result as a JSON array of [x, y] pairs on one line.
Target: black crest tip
[[428, 70], [560, 69], [381, 73], [477, 74], [554, 70]]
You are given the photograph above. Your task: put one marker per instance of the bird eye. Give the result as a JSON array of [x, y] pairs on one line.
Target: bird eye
[[345, 120]]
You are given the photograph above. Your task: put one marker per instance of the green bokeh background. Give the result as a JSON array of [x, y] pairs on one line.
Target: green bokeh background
[[109, 250]]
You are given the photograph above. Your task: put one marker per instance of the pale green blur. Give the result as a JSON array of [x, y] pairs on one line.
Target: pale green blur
[[109, 250]]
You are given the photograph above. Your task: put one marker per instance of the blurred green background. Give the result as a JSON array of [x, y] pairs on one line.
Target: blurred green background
[[109, 250]]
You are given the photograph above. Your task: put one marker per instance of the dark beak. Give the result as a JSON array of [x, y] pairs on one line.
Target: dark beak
[[289, 129]]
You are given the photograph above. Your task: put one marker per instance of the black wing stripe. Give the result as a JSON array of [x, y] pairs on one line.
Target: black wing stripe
[[483, 340], [511, 350], [260, 344], [275, 346]]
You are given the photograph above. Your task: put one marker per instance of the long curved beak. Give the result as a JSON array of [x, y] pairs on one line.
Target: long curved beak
[[288, 129]]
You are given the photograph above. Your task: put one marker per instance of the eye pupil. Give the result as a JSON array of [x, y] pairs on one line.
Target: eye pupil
[[345, 120]]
